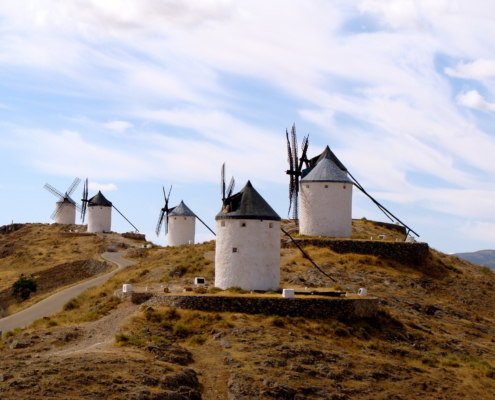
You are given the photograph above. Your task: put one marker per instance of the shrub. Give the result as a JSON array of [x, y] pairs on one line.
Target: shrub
[[126, 340], [451, 361], [237, 289], [8, 334], [181, 330], [339, 288], [196, 340], [278, 322], [51, 323], [341, 331], [23, 287], [430, 361], [486, 270], [200, 290], [71, 305], [214, 290]]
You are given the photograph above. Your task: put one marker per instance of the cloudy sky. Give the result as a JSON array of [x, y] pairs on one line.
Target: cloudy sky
[[139, 94]]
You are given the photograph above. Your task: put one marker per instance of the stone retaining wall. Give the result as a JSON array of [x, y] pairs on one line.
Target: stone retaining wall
[[341, 308], [405, 253], [135, 236]]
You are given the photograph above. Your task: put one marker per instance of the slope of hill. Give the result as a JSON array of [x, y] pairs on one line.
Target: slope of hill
[[481, 257], [55, 257], [434, 337]]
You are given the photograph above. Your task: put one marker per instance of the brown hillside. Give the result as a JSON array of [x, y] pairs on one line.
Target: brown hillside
[[434, 337], [55, 257]]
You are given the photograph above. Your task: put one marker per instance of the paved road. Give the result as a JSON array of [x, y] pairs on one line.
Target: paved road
[[55, 303]]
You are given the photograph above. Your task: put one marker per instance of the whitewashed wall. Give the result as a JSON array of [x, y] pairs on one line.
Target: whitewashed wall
[[66, 213], [99, 219], [256, 264], [181, 230], [325, 211]]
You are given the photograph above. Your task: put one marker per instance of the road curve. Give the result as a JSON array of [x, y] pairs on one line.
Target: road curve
[[55, 302]]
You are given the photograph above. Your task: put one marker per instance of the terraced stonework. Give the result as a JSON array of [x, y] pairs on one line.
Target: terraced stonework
[[341, 308], [405, 253]]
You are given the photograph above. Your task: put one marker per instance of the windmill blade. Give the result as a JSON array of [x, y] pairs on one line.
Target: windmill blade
[[231, 188], [160, 222], [137, 230], [83, 212], [84, 200], [304, 150], [54, 191], [73, 187], [290, 159], [222, 181], [168, 197], [54, 213], [200, 220], [294, 146], [85, 191]]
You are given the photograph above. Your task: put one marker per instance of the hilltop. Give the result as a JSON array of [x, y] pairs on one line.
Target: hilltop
[[481, 257], [433, 338]]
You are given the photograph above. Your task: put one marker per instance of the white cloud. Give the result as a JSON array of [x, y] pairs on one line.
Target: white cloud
[[473, 99], [480, 70], [119, 126], [105, 187]]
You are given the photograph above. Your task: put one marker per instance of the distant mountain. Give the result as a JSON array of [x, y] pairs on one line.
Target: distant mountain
[[481, 257]]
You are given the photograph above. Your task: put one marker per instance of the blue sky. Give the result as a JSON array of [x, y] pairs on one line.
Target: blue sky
[[136, 95]]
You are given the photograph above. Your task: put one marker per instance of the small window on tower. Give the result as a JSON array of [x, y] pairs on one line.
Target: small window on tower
[[270, 225], [307, 186], [175, 217], [222, 223], [326, 186], [243, 224], [344, 186], [185, 218], [234, 249]]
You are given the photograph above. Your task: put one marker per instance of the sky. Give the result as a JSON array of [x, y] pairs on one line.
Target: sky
[[136, 95]]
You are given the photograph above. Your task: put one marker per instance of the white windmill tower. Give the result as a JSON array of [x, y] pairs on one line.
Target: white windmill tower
[[99, 212], [65, 207], [247, 250], [179, 221], [325, 200]]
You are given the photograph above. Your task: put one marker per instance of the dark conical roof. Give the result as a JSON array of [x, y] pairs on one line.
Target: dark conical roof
[[327, 153], [247, 204], [326, 171], [181, 211], [99, 200]]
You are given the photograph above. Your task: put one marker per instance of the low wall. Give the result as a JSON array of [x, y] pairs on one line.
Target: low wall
[[75, 234], [341, 308], [405, 253], [135, 236]]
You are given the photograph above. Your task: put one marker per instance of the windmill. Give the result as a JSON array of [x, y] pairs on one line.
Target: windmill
[[295, 170], [65, 210], [180, 220], [99, 211], [226, 193]]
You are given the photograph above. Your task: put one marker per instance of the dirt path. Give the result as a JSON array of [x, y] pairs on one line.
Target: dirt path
[[214, 375], [55, 302], [98, 336]]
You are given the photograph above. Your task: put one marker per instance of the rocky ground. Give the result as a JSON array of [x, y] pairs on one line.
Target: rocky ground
[[434, 337]]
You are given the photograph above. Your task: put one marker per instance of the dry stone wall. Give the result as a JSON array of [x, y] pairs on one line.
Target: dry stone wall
[[405, 253], [341, 308]]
